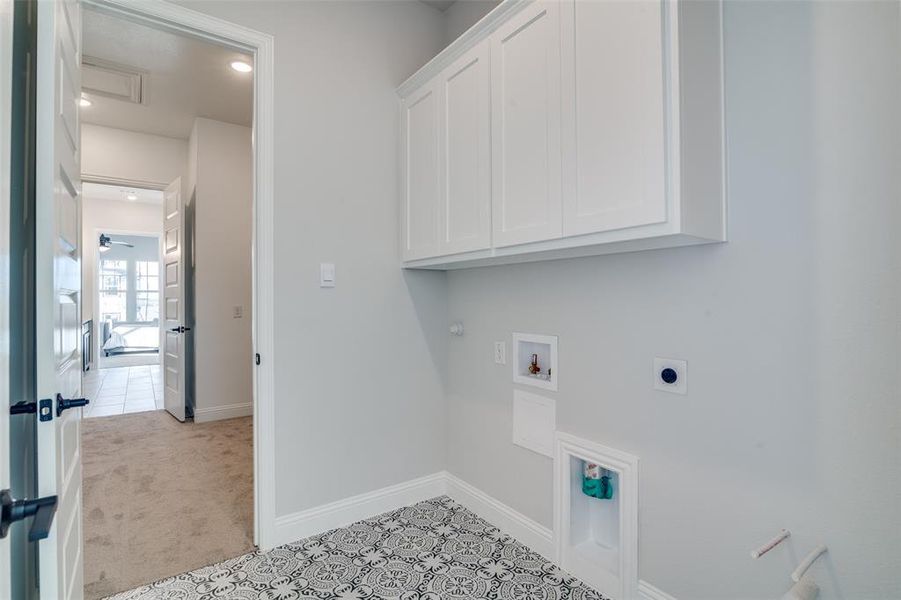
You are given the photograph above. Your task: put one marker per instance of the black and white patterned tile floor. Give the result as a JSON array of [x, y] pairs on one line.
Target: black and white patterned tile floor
[[434, 550]]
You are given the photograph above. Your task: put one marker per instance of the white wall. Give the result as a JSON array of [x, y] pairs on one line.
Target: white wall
[[463, 14], [110, 216], [790, 331], [135, 157], [222, 171], [358, 390], [190, 180]]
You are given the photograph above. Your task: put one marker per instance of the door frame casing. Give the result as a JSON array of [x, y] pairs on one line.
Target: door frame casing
[[6, 58], [95, 300], [168, 16]]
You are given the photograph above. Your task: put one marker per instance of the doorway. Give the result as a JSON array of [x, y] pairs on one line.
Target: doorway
[[167, 446], [57, 454], [121, 291]]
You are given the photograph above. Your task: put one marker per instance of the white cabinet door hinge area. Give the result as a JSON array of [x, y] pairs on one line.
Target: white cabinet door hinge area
[[465, 169], [420, 178]]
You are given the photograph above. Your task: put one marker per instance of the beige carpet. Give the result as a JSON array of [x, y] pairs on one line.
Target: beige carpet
[[163, 497]]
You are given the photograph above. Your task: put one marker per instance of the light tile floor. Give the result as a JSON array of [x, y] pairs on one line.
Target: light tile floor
[[122, 390]]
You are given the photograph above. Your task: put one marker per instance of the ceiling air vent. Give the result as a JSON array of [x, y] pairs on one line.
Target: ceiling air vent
[[113, 80]]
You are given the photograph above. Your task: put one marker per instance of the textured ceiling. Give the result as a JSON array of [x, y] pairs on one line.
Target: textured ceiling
[[119, 193], [188, 78]]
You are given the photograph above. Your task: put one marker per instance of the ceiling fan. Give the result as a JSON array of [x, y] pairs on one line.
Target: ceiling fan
[[106, 243]]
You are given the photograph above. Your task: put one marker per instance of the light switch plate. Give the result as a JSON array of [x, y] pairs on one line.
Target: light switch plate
[[500, 353], [680, 385], [327, 275]]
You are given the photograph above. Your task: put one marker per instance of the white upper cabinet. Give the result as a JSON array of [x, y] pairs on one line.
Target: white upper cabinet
[[604, 120], [615, 102], [525, 96], [420, 181], [465, 132]]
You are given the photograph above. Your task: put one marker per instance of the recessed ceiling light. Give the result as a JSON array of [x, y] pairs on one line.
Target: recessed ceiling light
[[84, 102], [131, 196], [241, 67]]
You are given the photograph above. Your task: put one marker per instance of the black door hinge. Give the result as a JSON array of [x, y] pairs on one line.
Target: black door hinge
[[257, 358]]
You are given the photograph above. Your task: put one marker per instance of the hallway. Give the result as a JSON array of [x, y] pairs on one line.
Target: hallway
[[163, 497]]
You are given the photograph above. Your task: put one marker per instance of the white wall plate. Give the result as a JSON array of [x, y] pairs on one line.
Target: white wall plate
[[534, 422], [327, 275], [665, 369], [545, 347], [500, 353]]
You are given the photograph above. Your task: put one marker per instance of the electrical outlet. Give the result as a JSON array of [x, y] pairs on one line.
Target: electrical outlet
[[671, 375], [237, 312], [500, 353]]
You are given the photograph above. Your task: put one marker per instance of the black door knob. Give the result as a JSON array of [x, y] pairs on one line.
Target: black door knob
[[62, 403], [42, 509]]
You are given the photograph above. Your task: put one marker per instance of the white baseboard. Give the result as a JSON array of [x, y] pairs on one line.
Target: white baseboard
[[218, 413], [297, 526], [531, 533], [646, 591]]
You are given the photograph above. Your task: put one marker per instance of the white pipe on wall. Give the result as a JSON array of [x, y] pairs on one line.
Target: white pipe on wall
[[784, 534]]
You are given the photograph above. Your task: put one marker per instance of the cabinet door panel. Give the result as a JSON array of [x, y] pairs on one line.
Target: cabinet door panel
[[614, 105], [466, 160], [525, 96], [420, 174]]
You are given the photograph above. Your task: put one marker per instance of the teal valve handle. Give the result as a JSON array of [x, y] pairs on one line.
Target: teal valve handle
[[602, 488], [607, 487]]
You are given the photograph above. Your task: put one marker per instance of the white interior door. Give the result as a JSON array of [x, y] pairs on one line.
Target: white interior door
[[174, 330], [58, 291], [6, 54]]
